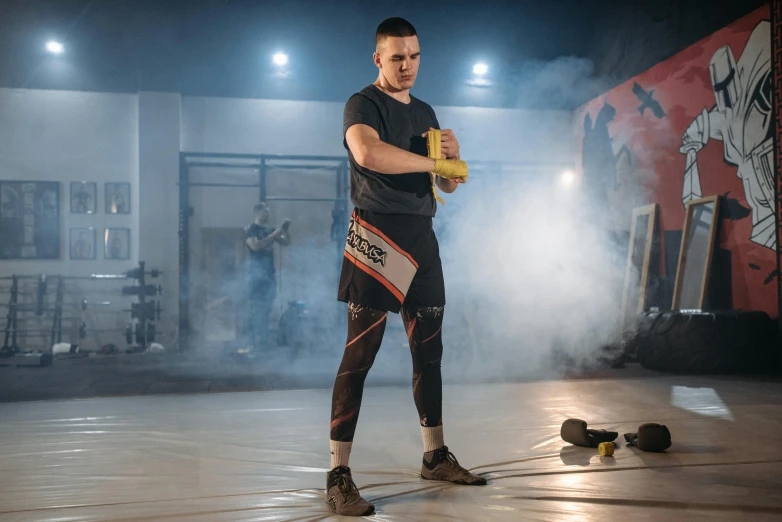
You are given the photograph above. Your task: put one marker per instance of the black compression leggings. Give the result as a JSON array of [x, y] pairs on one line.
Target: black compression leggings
[[365, 333]]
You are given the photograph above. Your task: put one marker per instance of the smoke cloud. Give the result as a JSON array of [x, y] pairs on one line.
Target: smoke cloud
[[534, 282], [534, 266], [564, 83]]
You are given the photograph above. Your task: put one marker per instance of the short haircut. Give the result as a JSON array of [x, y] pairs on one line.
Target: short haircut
[[394, 27], [259, 207]]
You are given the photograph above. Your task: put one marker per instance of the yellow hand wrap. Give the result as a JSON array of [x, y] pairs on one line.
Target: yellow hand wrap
[[450, 169], [445, 168], [434, 146]]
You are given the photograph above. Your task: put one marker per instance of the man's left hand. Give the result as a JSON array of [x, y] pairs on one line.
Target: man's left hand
[[448, 143]]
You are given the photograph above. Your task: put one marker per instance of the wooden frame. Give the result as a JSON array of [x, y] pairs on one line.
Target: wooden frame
[[651, 229], [682, 265]]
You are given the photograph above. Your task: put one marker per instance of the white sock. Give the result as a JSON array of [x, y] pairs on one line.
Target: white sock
[[340, 453], [433, 438]]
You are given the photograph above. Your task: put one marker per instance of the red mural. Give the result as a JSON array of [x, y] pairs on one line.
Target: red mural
[[696, 125]]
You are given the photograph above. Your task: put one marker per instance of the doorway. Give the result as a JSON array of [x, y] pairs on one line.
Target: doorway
[[217, 194], [222, 260]]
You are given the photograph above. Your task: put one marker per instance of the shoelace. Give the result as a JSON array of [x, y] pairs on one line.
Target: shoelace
[[346, 486], [451, 458]]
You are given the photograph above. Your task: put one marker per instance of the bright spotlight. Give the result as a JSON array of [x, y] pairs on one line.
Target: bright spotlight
[[480, 69], [54, 47], [567, 178], [280, 59]]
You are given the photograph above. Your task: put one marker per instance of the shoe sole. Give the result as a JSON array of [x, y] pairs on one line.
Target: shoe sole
[[460, 482], [369, 511]]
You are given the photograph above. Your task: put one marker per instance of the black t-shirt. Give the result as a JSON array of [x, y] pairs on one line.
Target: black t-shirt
[[400, 125], [261, 265]]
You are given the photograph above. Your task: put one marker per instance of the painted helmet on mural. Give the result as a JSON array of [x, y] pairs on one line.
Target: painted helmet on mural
[[724, 78]]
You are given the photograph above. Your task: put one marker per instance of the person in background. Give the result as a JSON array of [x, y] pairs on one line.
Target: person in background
[[261, 276]]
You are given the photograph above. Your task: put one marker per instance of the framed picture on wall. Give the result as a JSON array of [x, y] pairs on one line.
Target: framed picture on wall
[[116, 242], [117, 198], [82, 243], [84, 197], [29, 219]]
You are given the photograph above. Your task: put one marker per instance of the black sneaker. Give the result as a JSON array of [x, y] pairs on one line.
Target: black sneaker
[[343, 496], [442, 465]]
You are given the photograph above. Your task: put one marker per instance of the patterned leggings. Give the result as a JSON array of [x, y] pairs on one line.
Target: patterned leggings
[[365, 333]]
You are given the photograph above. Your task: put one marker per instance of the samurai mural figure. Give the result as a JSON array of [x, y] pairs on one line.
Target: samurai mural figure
[[742, 120]]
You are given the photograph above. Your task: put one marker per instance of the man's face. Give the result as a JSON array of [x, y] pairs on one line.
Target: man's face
[[262, 215], [398, 59]]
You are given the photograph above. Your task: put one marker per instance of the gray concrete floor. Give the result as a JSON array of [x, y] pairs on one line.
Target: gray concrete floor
[[142, 374], [209, 372], [264, 455], [175, 373]]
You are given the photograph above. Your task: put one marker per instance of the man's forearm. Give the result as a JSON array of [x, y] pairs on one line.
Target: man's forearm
[[387, 159], [260, 244]]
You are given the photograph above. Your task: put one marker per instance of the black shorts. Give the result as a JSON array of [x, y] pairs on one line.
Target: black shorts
[[391, 261]]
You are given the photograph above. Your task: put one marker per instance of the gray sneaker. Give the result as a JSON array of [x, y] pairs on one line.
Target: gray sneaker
[[442, 465], [343, 496]]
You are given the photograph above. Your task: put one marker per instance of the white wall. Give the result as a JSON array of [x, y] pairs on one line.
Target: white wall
[[218, 125], [509, 135], [261, 126], [73, 136], [315, 128], [158, 209]]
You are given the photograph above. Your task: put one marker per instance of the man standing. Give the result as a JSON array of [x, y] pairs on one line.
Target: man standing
[[392, 261], [261, 277]]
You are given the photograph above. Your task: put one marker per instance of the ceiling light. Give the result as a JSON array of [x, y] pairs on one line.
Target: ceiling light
[[480, 69], [54, 47], [280, 59]]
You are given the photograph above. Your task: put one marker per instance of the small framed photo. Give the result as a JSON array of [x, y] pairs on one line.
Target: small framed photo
[[82, 243], [117, 198], [84, 197], [117, 243]]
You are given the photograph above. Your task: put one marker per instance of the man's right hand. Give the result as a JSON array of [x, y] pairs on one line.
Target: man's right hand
[[451, 169]]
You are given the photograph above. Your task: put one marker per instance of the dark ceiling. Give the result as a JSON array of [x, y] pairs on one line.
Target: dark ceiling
[[541, 54]]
